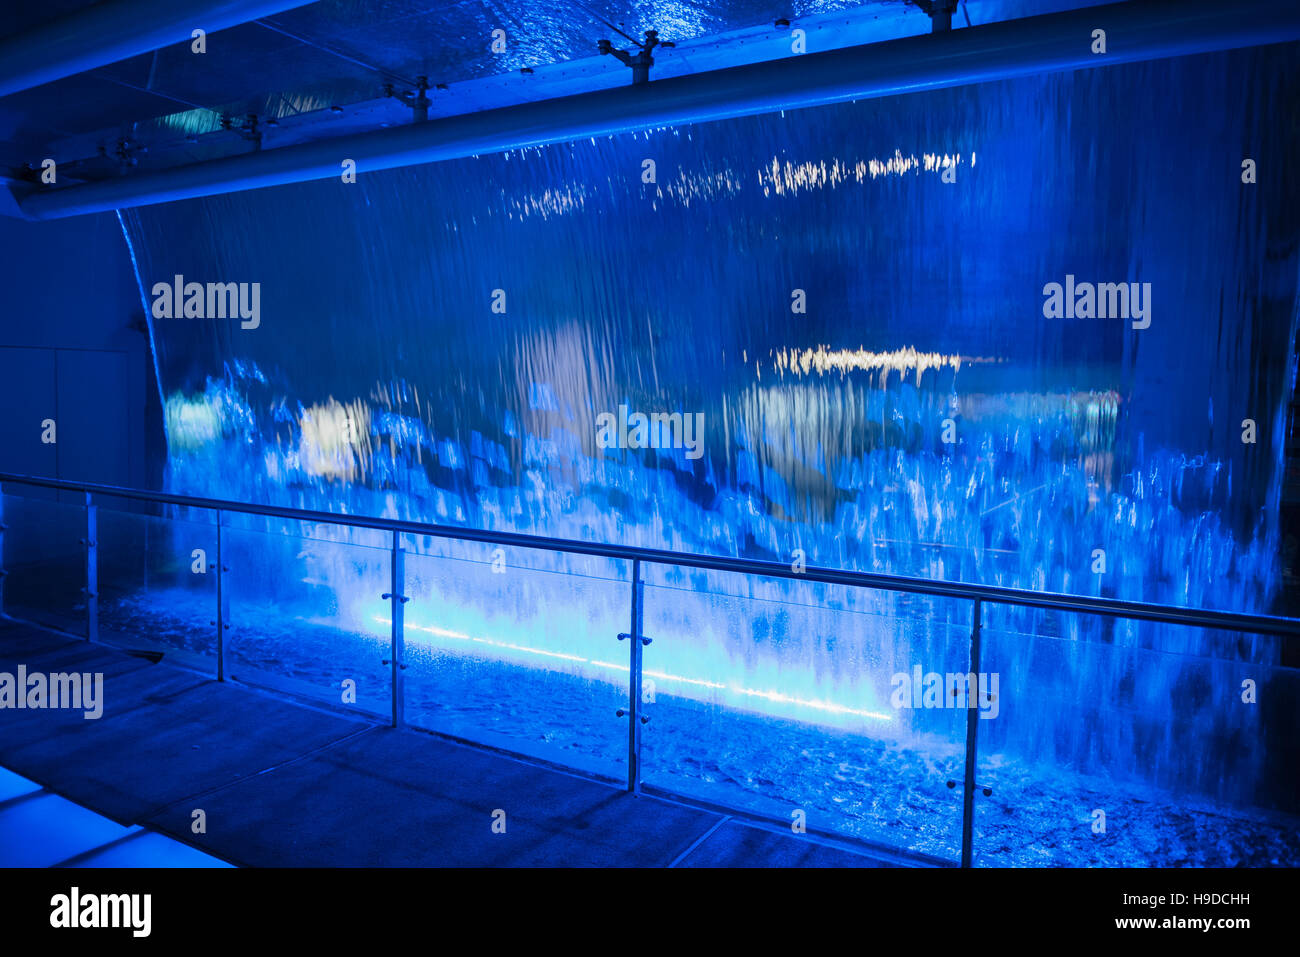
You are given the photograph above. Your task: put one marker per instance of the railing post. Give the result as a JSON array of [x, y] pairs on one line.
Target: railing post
[[92, 571], [397, 651], [634, 683], [972, 724], [223, 606]]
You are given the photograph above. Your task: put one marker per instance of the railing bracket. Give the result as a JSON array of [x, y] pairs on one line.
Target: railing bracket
[[984, 788]]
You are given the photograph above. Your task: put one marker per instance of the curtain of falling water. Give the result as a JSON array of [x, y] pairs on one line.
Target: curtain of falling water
[[376, 310], [836, 310]]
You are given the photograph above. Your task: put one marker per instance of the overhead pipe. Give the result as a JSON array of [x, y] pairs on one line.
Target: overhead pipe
[[108, 32], [1055, 42]]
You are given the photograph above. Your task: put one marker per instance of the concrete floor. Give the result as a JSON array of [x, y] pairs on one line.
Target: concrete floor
[[284, 783]]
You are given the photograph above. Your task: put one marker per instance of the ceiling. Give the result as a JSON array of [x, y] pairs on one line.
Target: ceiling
[[326, 68]]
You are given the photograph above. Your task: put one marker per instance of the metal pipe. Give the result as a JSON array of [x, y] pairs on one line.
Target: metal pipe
[[396, 659], [223, 603], [397, 575], [972, 725], [109, 32], [998, 594], [635, 683], [91, 541], [1137, 30]]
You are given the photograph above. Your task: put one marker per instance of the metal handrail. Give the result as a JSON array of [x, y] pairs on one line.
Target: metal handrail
[[996, 594], [978, 595]]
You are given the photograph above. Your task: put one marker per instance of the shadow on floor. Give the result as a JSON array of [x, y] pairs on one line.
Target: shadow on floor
[[257, 779]]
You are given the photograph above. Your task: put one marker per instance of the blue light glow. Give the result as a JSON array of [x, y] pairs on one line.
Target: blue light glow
[[920, 416]]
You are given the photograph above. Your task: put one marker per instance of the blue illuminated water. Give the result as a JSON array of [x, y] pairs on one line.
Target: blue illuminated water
[[381, 382]]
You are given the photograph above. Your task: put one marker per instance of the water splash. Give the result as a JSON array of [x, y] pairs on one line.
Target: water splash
[[920, 418]]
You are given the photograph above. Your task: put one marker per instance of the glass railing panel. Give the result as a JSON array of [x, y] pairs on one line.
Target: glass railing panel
[[1123, 743], [302, 612], [518, 649], [157, 583], [45, 560], [807, 703]]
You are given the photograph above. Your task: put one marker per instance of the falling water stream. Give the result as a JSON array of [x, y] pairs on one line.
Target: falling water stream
[[849, 302]]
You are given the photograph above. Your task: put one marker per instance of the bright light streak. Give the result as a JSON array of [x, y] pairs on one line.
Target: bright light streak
[[776, 697]]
